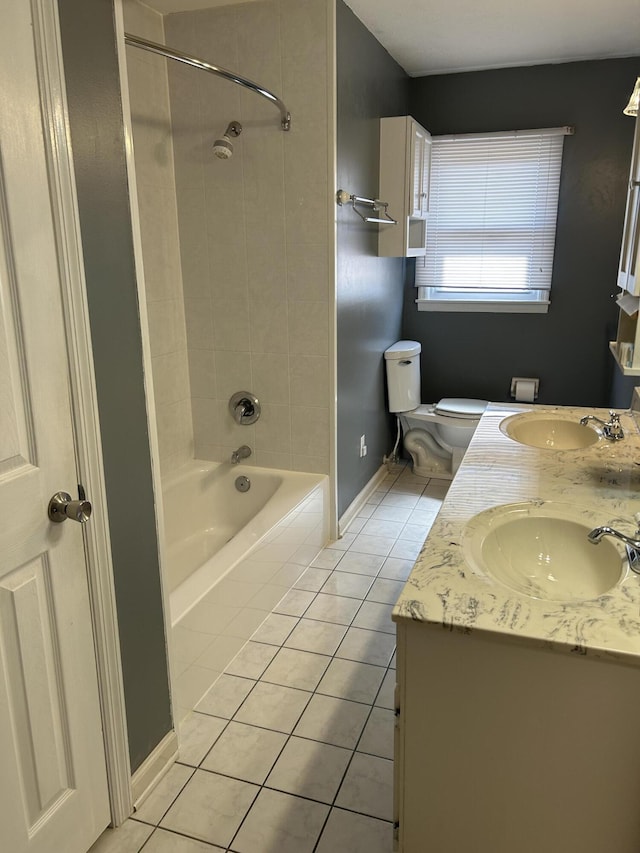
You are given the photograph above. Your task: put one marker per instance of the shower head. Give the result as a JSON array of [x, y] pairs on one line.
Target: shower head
[[223, 147]]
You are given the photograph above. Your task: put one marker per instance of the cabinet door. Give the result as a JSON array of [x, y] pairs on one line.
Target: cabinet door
[[420, 170], [417, 169], [425, 175], [629, 272]]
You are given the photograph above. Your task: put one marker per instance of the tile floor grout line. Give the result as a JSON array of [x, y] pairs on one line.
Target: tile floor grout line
[[182, 787], [181, 835], [291, 734]]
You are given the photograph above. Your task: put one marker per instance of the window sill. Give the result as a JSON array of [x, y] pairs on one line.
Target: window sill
[[486, 307]]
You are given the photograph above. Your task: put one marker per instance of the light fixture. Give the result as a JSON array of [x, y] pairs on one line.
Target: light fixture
[[634, 101]]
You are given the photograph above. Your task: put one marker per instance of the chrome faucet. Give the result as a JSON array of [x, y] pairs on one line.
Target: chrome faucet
[[611, 429], [243, 452], [632, 544]]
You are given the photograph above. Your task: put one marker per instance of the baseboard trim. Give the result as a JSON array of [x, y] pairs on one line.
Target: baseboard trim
[[153, 769], [360, 500]]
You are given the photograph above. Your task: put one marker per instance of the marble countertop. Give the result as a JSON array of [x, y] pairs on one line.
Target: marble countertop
[[603, 479]]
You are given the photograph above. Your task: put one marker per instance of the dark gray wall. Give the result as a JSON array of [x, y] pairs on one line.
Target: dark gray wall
[[474, 355], [95, 116], [369, 289]]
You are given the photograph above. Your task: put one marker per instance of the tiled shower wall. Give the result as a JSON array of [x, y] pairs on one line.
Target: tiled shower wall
[[153, 149], [254, 229]]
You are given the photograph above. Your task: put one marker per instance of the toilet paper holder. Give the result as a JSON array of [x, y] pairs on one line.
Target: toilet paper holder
[[524, 379]]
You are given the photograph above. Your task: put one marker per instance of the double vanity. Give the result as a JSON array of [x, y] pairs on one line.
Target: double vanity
[[518, 696]]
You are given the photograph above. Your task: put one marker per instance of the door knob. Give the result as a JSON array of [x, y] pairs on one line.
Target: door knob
[[62, 507]]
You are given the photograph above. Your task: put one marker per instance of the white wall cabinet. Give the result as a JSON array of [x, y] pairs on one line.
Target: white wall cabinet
[[629, 272], [405, 168], [626, 347]]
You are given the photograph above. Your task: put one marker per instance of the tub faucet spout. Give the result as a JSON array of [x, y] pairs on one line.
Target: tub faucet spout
[[242, 452]]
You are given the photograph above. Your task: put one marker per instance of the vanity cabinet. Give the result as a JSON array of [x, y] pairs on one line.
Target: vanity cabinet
[[626, 347], [502, 747], [516, 703], [405, 168]]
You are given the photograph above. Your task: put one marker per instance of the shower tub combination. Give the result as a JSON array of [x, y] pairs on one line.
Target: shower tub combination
[[220, 537]]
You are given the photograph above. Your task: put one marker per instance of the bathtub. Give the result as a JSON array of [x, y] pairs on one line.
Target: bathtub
[[211, 527]]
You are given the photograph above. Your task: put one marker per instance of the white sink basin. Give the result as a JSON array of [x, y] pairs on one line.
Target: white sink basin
[[546, 431], [540, 549]]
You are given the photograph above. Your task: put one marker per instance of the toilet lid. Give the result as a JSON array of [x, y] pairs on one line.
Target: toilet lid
[[460, 407]]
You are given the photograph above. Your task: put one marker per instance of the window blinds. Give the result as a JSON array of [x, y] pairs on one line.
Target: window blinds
[[492, 222]]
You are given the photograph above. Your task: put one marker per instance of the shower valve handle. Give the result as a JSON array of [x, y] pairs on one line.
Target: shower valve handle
[[244, 407]]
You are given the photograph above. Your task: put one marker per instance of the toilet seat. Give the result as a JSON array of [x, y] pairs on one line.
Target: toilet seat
[[452, 407], [460, 407]]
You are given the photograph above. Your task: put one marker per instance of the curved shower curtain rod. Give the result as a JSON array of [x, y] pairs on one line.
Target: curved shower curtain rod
[[170, 53]]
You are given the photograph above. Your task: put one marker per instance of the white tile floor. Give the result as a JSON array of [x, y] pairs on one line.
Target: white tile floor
[[291, 749]]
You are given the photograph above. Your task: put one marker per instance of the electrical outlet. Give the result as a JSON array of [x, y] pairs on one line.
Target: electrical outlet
[[363, 446]]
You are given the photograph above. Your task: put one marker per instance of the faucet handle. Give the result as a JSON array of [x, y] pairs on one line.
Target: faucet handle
[[613, 428]]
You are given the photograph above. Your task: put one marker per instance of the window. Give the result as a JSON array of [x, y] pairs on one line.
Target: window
[[492, 221]]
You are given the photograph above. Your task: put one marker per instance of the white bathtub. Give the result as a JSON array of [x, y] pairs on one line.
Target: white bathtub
[[211, 526]]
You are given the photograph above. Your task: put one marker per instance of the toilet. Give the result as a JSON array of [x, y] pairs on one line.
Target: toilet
[[435, 435]]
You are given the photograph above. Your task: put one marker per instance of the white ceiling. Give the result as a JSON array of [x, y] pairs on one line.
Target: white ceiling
[[441, 36]]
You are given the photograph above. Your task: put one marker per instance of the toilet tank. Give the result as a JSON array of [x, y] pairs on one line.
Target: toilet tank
[[403, 375]]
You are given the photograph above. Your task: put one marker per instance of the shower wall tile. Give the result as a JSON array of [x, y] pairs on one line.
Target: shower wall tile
[[306, 157], [267, 459], [188, 136], [202, 373], [262, 219], [166, 326], [194, 254], [214, 35], [228, 437], [271, 375], [220, 102], [154, 160], [304, 81], [273, 430], [151, 119], [229, 275], [263, 161], [258, 26], [205, 420], [225, 214], [303, 25], [158, 216], [269, 326], [231, 323], [309, 328], [199, 322], [310, 464], [307, 271], [308, 379], [267, 269], [233, 373], [171, 379], [180, 31], [140, 21], [310, 431], [306, 212], [175, 434]]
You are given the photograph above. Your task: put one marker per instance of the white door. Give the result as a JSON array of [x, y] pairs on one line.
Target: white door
[[53, 792]]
